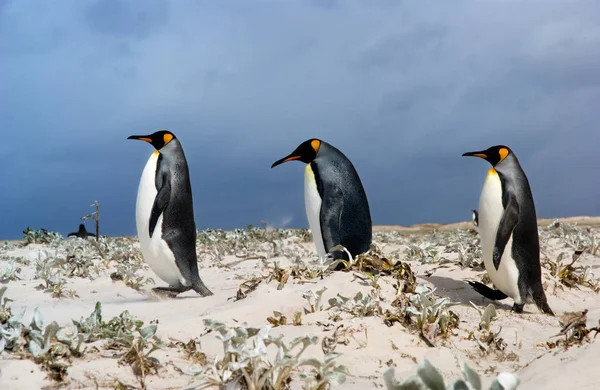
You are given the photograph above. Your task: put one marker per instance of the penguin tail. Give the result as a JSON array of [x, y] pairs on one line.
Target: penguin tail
[[545, 308], [201, 288], [542, 303]]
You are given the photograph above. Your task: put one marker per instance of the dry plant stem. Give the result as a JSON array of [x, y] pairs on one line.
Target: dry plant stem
[[97, 220], [96, 217]]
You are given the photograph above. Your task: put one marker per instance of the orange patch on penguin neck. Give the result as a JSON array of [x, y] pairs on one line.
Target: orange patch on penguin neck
[[503, 153], [316, 144], [167, 138]]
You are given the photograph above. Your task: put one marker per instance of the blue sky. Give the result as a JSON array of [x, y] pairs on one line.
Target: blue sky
[[403, 88]]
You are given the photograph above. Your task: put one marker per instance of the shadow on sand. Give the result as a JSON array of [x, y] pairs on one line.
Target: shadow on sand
[[460, 291]]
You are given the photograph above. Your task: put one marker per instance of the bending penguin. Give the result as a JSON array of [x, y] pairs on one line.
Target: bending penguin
[[165, 216], [508, 232], [336, 204], [81, 233]]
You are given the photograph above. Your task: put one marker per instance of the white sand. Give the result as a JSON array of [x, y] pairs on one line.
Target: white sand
[[181, 319]]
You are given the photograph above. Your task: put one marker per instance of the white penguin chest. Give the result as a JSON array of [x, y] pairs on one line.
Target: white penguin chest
[[156, 252], [490, 212], [313, 201]]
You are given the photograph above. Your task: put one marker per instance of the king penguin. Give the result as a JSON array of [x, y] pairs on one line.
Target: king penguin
[[165, 216], [475, 218], [336, 203], [81, 233], [508, 232]]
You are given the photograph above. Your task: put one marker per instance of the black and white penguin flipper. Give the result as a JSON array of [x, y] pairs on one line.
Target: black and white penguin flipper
[[160, 202], [330, 216], [507, 224], [489, 293]]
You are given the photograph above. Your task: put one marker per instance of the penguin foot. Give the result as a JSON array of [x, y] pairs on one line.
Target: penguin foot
[[170, 292], [518, 308], [489, 293]]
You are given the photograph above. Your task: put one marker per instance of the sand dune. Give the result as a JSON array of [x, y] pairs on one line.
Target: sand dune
[[521, 346]]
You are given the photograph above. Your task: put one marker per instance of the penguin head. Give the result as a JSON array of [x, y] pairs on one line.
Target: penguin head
[[306, 152], [494, 155], [159, 139]]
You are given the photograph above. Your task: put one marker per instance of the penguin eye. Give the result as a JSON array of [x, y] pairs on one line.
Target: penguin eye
[[503, 153]]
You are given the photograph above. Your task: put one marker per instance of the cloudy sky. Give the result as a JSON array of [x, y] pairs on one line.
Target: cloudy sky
[[403, 88]]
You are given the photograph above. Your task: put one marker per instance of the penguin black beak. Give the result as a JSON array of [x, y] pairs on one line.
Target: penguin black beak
[[285, 159], [476, 154], [141, 138]]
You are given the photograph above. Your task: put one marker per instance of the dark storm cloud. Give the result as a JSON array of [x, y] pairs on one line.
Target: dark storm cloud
[[402, 88]]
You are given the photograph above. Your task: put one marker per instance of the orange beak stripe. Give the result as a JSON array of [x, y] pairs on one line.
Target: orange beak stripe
[[292, 158]]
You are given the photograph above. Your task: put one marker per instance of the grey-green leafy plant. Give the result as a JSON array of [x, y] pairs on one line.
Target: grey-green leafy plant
[[54, 282], [41, 236], [11, 327], [469, 255], [429, 378], [305, 235], [246, 363], [432, 316], [6, 246], [251, 243], [40, 341], [425, 252], [53, 346], [39, 338], [314, 300], [359, 306], [123, 331], [67, 259], [119, 331], [140, 349], [74, 340], [487, 339], [487, 315], [5, 312], [10, 272], [79, 263], [574, 237], [323, 374], [128, 273]]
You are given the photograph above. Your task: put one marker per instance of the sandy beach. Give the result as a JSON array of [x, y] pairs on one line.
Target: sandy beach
[[279, 268]]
